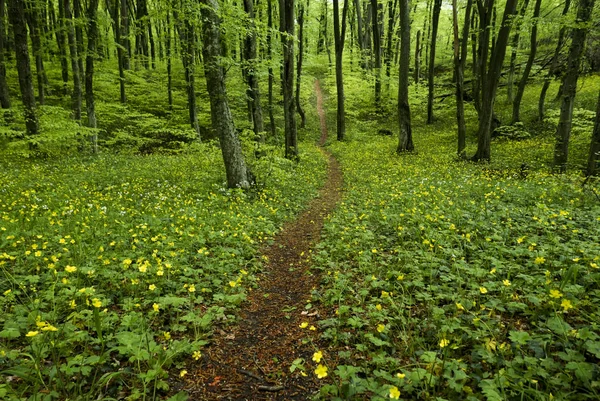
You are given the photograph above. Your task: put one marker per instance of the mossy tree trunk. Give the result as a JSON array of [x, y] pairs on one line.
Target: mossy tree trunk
[[92, 34], [437, 5], [4, 95], [405, 141], [251, 75], [339, 33], [289, 102]]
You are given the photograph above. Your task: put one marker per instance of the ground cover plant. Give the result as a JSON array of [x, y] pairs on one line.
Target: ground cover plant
[[116, 269]]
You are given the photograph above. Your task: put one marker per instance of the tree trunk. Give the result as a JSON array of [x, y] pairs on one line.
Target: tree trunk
[[491, 75], [4, 95], [61, 44], [553, 64], [593, 167], [270, 70], [289, 104], [405, 141], [188, 58], [78, 36], [460, 59], [569, 84], [169, 62], [222, 120], [360, 32], [124, 22], [514, 50], [299, 65], [376, 52], [32, 16], [532, 51], [389, 41], [417, 72], [74, 61], [339, 34], [92, 34], [16, 15], [252, 90], [437, 5]]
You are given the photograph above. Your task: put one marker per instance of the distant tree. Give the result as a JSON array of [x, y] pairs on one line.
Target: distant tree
[[270, 69], [4, 95], [286, 10], [593, 167], [251, 73], [92, 34], [515, 49], [235, 166], [460, 60], [76, 72], [16, 15], [301, 112], [569, 85], [376, 51], [32, 16], [437, 5], [405, 141]]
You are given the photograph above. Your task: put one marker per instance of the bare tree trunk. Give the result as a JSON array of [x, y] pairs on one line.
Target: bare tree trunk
[[79, 36], [405, 141], [390, 34], [339, 34], [235, 166], [569, 83], [553, 64], [4, 95], [360, 32], [437, 5], [252, 90], [169, 62], [92, 34], [61, 44], [289, 103], [418, 47], [124, 21], [460, 59], [532, 51], [16, 15], [490, 83], [593, 167], [31, 16], [299, 65], [515, 49], [376, 52], [270, 70], [74, 61]]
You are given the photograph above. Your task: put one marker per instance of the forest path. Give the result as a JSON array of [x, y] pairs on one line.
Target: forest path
[[252, 360]]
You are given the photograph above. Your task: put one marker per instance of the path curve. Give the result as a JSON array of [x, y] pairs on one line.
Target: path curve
[[252, 360]]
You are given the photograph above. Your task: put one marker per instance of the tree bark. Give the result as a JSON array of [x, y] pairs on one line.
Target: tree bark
[[32, 16], [92, 34], [491, 75], [460, 60], [553, 63], [4, 95], [376, 52], [405, 141], [417, 72], [339, 34], [569, 84], [299, 64], [532, 51], [437, 5], [222, 120], [16, 15], [270, 70], [74, 61], [389, 41], [289, 103], [514, 50], [593, 167], [61, 44], [169, 61], [252, 90], [124, 26]]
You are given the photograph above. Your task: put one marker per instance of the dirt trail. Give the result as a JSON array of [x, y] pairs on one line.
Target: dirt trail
[[252, 360]]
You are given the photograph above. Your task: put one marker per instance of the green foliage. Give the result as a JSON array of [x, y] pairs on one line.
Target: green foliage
[[116, 268]]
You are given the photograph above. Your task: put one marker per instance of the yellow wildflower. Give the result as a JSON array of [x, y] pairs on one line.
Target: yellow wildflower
[[381, 328], [317, 356], [321, 371], [555, 294], [394, 393], [197, 355], [539, 260], [70, 269], [444, 342], [156, 307], [483, 290], [303, 325], [566, 304], [32, 334]]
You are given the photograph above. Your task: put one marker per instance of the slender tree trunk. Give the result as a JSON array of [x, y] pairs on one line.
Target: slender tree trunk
[[251, 76], [235, 166], [32, 16], [124, 22], [4, 95], [389, 41], [74, 61], [475, 63], [152, 45], [289, 103], [417, 72], [187, 40], [169, 62], [532, 51], [360, 32], [515, 49], [92, 34], [79, 35], [377, 53], [16, 15], [339, 34], [569, 83], [593, 167], [61, 44], [437, 5], [490, 84], [270, 70], [553, 64], [299, 65], [405, 141], [460, 59]]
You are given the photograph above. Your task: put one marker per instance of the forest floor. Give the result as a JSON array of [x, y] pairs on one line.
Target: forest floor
[[251, 360]]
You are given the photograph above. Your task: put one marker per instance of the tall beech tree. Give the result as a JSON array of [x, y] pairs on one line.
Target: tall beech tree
[[32, 14], [490, 75], [235, 166], [270, 69], [16, 14], [460, 60], [437, 5], [4, 95], [92, 34], [552, 71], [339, 34], [516, 115], [251, 73], [569, 84], [405, 141], [75, 71], [376, 52], [301, 112], [286, 10]]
